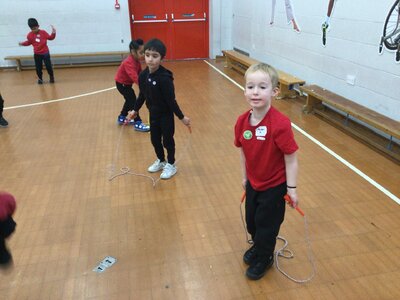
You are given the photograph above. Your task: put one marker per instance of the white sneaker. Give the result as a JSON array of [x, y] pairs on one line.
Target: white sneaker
[[157, 166], [168, 171]]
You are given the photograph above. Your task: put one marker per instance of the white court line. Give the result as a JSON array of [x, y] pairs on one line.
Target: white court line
[[330, 151], [59, 100]]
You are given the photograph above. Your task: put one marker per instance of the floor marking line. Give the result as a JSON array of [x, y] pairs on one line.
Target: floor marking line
[[59, 100]]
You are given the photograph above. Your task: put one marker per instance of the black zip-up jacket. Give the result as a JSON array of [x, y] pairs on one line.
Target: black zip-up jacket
[[158, 90]]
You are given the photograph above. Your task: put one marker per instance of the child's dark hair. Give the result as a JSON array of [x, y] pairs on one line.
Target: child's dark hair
[[135, 44], [32, 22], [156, 45]]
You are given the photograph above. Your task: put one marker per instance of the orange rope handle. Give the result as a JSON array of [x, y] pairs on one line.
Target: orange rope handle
[[290, 202], [243, 197]]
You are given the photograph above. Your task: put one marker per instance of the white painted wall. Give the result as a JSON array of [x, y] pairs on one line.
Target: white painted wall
[[220, 26], [352, 47], [82, 26]]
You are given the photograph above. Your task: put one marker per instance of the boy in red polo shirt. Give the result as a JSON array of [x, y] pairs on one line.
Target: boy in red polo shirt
[[7, 226], [38, 39], [269, 164]]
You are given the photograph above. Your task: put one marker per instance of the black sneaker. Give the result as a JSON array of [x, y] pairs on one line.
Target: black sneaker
[[3, 122], [258, 269], [52, 79], [6, 265], [40, 81], [250, 255], [5, 258]]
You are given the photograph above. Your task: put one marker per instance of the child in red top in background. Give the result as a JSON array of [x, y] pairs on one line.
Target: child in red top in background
[[38, 39], [269, 165], [7, 226], [128, 74]]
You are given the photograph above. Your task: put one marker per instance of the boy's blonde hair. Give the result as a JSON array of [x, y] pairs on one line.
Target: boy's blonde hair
[[267, 69]]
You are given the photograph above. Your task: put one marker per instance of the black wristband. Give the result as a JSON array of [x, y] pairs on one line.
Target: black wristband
[[290, 187]]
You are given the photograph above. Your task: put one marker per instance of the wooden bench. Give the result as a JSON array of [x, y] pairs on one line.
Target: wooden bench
[[240, 63], [317, 95], [19, 58]]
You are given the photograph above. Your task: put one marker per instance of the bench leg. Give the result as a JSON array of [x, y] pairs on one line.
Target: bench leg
[[228, 63], [301, 94], [285, 92], [19, 67], [310, 104], [346, 121], [390, 144]]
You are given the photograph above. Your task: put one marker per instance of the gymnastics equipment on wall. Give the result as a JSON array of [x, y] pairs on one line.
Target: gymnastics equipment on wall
[[391, 31]]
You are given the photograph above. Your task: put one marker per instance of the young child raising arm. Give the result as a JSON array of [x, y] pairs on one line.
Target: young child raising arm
[[38, 39]]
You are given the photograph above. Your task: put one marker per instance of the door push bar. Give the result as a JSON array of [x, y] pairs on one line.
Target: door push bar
[[153, 19], [188, 20], [150, 19]]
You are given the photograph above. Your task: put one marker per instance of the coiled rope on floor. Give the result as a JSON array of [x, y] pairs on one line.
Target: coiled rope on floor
[[127, 171]]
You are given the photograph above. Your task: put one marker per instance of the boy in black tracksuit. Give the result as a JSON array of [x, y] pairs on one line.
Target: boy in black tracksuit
[[157, 89]]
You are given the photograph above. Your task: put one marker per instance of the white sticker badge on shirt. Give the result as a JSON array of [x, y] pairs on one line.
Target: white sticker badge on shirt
[[261, 132], [37, 40]]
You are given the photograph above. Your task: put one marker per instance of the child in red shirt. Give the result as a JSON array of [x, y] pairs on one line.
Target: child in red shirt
[[128, 74], [7, 226], [38, 39], [269, 165]]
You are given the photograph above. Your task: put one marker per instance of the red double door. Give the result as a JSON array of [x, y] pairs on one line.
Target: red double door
[[181, 24]]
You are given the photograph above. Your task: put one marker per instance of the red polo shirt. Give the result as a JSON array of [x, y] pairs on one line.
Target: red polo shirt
[[39, 41], [264, 147], [128, 72]]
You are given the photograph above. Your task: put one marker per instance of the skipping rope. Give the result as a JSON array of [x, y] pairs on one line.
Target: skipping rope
[[128, 171], [283, 251]]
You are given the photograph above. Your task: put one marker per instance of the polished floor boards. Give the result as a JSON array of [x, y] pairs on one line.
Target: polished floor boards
[[183, 238]]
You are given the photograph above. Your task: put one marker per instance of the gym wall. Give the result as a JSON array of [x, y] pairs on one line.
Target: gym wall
[[349, 64]]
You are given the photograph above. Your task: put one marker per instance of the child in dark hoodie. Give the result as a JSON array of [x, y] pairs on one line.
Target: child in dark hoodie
[[157, 89], [7, 226]]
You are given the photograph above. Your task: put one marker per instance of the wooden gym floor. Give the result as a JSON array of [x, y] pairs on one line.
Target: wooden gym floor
[[183, 239]]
